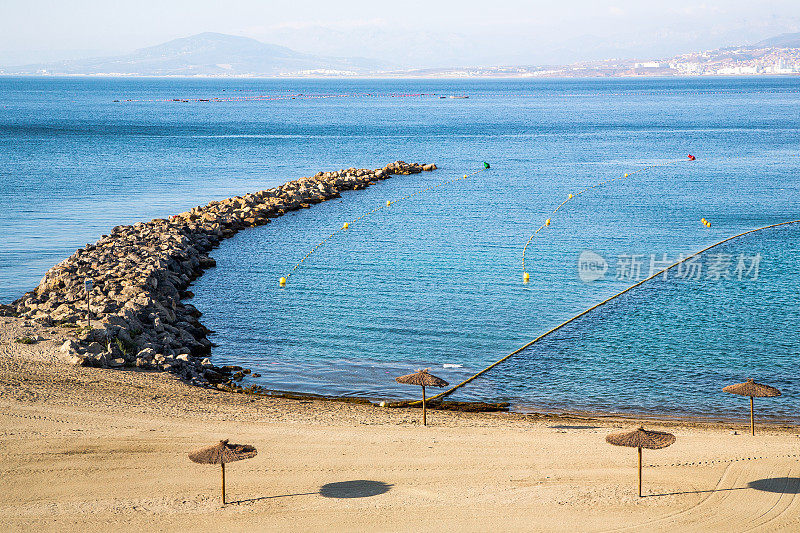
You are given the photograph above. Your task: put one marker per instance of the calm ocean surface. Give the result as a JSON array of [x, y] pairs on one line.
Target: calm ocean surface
[[436, 281]]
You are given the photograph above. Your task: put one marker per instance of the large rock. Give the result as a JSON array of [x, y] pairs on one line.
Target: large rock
[[78, 360], [69, 346], [147, 354], [94, 348]]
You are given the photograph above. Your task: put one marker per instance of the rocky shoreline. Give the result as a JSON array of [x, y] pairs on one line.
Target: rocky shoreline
[[142, 272]]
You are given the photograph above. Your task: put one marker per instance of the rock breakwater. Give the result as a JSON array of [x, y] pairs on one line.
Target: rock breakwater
[[142, 272]]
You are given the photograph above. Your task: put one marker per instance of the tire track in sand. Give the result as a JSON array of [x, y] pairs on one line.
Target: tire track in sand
[[735, 505], [717, 487], [787, 506]]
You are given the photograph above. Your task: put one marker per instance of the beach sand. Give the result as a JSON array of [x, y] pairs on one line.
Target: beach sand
[[99, 450]]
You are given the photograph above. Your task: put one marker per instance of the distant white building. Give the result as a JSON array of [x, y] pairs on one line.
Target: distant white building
[[781, 66], [733, 71], [651, 64], [687, 68]]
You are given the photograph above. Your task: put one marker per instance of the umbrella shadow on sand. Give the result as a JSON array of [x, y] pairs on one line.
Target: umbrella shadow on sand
[[358, 488], [779, 485]]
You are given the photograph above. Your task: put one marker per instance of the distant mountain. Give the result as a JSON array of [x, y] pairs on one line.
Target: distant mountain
[[784, 40], [208, 54], [217, 54]]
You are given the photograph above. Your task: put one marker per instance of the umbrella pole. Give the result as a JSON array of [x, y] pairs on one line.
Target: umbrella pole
[[640, 472], [424, 414], [752, 425], [223, 483]]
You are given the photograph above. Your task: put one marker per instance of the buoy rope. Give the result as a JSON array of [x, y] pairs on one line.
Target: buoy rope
[[388, 203], [267, 97], [592, 308], [571, 196]]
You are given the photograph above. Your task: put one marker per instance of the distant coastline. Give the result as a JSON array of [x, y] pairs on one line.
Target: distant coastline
[[218, 55], [400, 76]]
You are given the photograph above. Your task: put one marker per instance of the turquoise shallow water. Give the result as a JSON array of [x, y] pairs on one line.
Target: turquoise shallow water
[[436, 280]]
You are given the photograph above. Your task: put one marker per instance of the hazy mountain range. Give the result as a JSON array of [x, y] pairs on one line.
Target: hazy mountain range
[[216, 54], [207, 54], [785, 40]]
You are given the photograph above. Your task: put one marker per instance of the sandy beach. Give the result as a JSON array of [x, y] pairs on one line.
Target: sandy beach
[[95, 449], [371, 267]]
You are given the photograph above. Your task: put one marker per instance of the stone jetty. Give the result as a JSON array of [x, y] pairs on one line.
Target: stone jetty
[[141, 276]]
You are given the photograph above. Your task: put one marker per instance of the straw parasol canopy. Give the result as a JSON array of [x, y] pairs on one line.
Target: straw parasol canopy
[[641, 438], [222, 453], [423, 379], [752, 389]]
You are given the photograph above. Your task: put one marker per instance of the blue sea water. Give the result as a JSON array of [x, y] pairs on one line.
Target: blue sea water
[[436, 281]]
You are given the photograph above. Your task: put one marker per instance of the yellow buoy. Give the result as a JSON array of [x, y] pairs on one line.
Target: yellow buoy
[[388, 203], [346, 225], [547, 222], [570, 196], [465, 176], [282, 282], [708, 224], [625, 176], [526, 277]]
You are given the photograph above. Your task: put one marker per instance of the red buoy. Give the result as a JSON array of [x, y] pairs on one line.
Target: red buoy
[[691, 157]]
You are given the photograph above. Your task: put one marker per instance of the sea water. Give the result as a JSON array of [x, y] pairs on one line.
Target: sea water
[[436, 281]]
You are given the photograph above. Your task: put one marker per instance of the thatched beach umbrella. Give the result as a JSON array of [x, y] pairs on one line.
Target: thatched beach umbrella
[[422, 379], [751, 388], [222, 453], [641, 438]]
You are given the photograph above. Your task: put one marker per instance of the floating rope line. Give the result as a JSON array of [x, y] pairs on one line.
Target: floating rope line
[[389, 203], [592, 308], [266, 97], [525, 275]]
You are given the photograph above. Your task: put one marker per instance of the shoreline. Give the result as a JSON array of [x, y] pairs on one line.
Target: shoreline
[[16, 365], [504, 406], [95, 449], [46, 352]]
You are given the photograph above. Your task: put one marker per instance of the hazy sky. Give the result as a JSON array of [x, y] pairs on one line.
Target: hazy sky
[[419, 32]]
